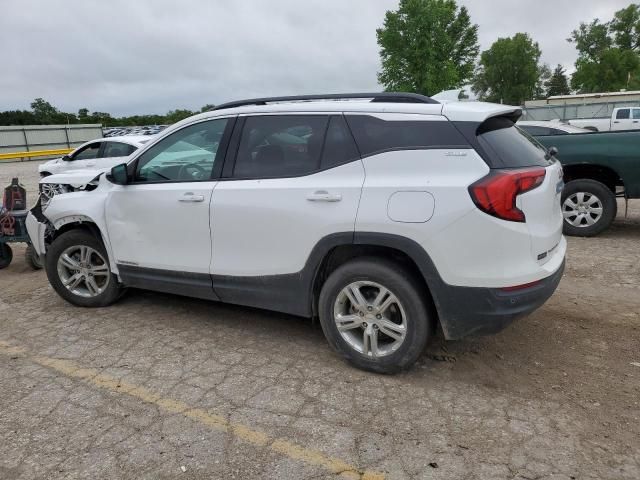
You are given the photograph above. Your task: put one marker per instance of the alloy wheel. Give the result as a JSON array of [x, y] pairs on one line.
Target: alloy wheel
[[370, 318]]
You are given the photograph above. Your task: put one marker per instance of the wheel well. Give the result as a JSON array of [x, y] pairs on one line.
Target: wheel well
[[90, 227], [343, 253], [599, 173]]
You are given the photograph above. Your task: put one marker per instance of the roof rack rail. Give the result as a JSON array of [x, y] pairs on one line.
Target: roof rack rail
[[389, 97]]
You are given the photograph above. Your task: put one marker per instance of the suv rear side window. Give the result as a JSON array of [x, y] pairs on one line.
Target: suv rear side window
[[375, 135], [339, 147], [508, 145], [276, 146]]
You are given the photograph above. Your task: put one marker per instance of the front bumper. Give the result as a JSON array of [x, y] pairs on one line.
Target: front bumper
[[467, 311], [36, 230]]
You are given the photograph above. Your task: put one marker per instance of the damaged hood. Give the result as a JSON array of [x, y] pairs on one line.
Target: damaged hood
[[75, 178]]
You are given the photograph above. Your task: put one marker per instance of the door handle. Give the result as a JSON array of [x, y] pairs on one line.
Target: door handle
[[324, 196], [616, 121], [189, 197]]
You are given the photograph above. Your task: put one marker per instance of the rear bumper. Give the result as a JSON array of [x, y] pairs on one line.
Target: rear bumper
[[467, 311]]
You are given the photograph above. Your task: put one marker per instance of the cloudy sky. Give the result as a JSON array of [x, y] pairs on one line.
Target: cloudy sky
[[151, 56]]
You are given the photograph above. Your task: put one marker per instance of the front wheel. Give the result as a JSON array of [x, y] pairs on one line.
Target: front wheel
[[375, 315], [78, 269], [588, 207]]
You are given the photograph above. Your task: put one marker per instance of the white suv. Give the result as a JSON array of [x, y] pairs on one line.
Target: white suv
[[381, 214]]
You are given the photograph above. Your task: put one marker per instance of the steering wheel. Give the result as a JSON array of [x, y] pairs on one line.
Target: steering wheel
[[192, 171]]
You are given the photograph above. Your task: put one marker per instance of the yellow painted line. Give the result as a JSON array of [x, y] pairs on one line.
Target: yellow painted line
[[35, 153], [212, 420]]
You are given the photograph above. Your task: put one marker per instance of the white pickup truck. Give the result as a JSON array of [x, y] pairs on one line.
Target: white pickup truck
[[623, 118]]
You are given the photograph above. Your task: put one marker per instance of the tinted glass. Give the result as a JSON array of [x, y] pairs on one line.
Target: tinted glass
[[636, 113], [622, 114], [280, 146], [374, 135], [88, 152], [534, 130], [511, 146], [186, 155], [339, 147], [117, 149]]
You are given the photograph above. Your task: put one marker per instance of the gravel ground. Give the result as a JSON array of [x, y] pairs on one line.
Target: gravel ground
[[159, 386]]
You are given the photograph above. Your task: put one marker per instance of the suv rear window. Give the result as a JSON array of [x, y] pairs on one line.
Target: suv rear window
[[509, 146]]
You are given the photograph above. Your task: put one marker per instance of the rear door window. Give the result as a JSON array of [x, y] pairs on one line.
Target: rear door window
[[623, 114], [375, 135], [276, 146], [509, 146], [339, 147]]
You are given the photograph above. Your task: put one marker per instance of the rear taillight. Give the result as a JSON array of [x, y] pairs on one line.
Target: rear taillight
[[496, 193]]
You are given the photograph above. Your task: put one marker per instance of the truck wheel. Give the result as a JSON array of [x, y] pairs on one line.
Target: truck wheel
[[77, 266], [33, 259], [588, 207], [6, 255], [374, 314]]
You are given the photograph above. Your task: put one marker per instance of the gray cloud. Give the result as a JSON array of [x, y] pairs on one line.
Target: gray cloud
[[150, 56]]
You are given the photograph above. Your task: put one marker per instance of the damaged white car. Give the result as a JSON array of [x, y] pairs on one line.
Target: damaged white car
[[381, 214]]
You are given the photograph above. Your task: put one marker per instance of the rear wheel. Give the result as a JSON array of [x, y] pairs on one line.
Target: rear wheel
[[78, 269], [6, 255], [375, 315], [588, 207]]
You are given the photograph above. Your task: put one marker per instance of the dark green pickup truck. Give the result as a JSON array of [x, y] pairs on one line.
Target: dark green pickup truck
[[597, 167]]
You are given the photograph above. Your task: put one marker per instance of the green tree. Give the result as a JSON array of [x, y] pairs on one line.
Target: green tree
[[509, 71], [83, 114], [207, 107], [176, 115], [43, 111], [427, 46], [625, 28], [544, 75], [608, 57], [558, 83]]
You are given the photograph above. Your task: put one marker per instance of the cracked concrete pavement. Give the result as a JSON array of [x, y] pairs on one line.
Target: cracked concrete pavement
[[160, 386]]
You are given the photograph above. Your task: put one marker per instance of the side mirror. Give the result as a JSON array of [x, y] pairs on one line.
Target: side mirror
[[551, 152], [66, 158], [119, 174]]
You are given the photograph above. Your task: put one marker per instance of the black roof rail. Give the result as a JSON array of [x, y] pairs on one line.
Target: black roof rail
[[389, 97]]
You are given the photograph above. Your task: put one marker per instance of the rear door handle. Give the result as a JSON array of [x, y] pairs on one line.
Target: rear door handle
[[324, 196], [189, 197]]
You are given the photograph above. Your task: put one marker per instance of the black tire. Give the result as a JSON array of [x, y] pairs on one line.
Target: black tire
[[6, 255], [112, 290], [607, 199], [420, 320], [33, 259]]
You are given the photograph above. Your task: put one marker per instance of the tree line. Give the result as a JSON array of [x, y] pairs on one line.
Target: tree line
[[427, 46], [43, 113]]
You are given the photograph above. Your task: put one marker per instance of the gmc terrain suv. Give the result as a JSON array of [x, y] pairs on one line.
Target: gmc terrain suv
[[380, 214]]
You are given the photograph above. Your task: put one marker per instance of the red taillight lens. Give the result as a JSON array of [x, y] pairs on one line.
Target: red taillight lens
[[496, 193]]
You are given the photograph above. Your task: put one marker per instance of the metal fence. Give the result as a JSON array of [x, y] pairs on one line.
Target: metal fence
[[37, 138], [573, 111]]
